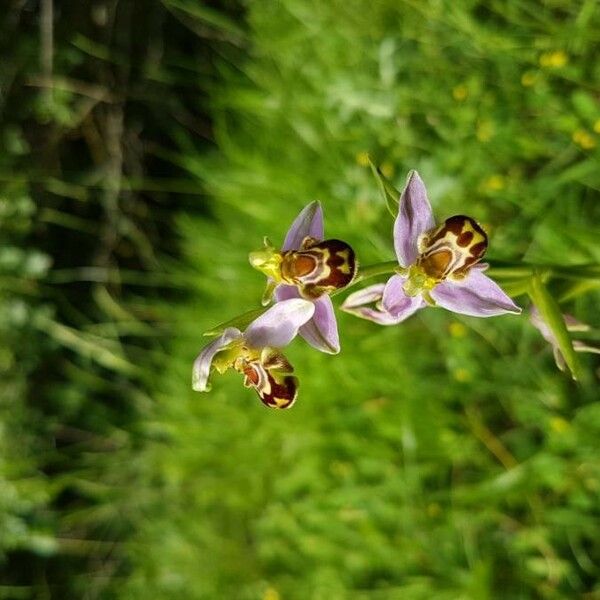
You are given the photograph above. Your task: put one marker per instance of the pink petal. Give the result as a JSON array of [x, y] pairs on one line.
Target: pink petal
[[358, 304], [536, 320], [308, 223], [572, 324], [279, 325], [369, 295], [414, 218], [476, 295], [583, 347], [202, 364], [396, 302], [321, 331]]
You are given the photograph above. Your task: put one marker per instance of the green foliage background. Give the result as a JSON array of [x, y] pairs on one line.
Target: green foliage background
[[444, 458]]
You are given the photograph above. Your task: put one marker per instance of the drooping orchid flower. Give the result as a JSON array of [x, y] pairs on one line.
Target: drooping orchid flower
[[572, 324], [256, 353], [438, 266], [307, 266]]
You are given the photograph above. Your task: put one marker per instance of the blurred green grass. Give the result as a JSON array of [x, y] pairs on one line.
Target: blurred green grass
[[444, 458]]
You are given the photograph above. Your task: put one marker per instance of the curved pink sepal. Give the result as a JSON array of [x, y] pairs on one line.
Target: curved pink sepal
[[321, 331], [202, 364], [308, 223], [476, 295], [396, 302], [279, 325], [366, 304], [414, 218]]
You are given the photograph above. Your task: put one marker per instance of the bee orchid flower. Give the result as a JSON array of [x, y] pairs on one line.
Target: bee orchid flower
[[310, 267], [256, 353], [438, 266]]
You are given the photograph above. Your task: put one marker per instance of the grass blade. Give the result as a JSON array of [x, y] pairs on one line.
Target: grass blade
[[391, 195], [550, 311]]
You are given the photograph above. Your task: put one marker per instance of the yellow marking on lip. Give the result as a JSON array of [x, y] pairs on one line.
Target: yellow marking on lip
[[345, 256]]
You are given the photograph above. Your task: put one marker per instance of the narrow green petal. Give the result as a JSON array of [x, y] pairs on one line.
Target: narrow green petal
[[391, 196]]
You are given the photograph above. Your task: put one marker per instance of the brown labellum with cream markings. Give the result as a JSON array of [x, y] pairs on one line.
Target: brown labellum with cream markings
[[451, 249], [319, 267], [271, 376]]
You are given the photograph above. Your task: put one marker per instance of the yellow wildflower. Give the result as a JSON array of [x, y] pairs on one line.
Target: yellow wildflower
[[485, 131], [271, 594], [457, 330], [460, 92], [559, 424], [554, 60], [462, 375], [387, 168], [584, 139], [494, 183], [528, 78], [362, 159]]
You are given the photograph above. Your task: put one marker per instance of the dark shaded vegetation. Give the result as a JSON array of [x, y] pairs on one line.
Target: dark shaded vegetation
[[96, 100]]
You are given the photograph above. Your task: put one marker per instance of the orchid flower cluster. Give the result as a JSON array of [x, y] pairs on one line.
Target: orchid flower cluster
[[437, 266]]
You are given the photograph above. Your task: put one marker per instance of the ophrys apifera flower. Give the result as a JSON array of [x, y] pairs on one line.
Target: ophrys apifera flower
[[256, 353], [307, 266], [438, 266]]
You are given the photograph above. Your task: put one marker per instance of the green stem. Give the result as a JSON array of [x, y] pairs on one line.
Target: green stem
[[382, 268], [554, 319], [515, 278], [498, 269], [502, 269]]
